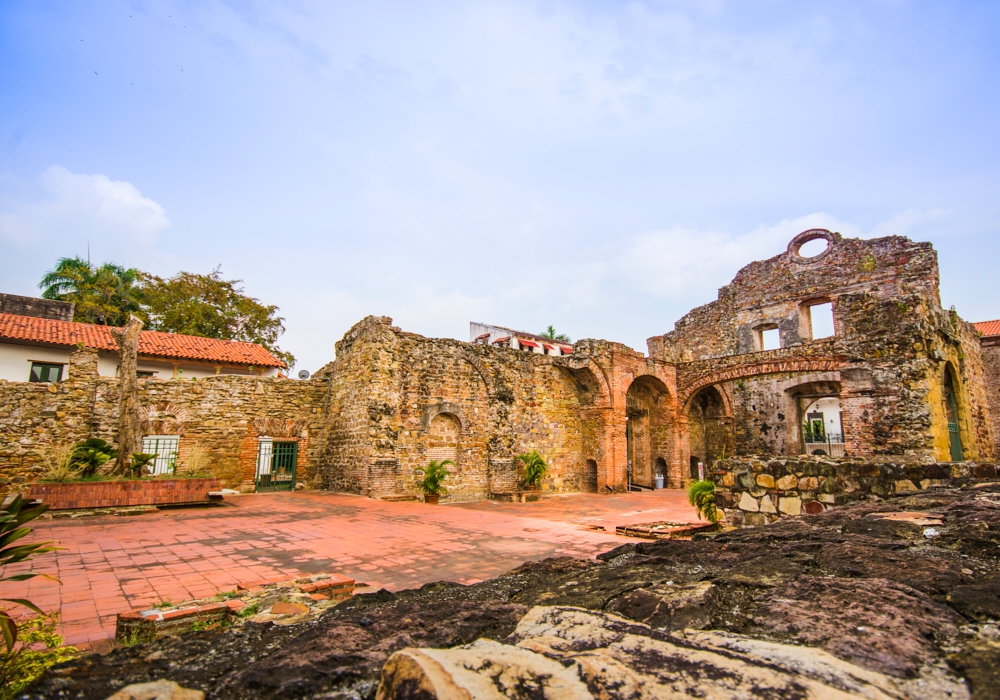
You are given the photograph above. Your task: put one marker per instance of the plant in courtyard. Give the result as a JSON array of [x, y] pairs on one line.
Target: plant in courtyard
[[535, 468], [701, 494], [91, 454], [37, 649], [13, 515], [58, 463], [140, 461], [434, 474]]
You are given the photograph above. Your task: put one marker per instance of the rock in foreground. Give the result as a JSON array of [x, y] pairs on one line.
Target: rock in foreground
[[898, 597]]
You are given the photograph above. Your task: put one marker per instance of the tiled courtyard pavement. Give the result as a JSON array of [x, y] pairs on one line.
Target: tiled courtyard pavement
[[111, 564]]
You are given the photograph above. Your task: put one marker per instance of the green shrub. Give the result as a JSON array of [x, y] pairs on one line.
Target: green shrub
[[140, 461], [13, 516], [535, 468], [701, 494], [37, 649], [91, 454], [434, 474]]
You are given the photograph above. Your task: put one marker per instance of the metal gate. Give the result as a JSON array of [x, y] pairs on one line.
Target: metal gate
[[276, 465]]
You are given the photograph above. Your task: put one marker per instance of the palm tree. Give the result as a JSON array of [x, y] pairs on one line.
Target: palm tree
[[551, 334], [107, 294]]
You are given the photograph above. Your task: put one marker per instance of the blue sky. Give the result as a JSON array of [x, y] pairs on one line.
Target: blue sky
[[603, 167]]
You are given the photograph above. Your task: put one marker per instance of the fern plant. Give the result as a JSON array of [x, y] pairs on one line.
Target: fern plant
[[140, 461], [91, 454], [434, 474], [701, 494], [13, 516], [535, 468]]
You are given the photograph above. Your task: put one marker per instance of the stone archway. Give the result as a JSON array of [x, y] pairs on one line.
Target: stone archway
[[648, 429], [710, 431]]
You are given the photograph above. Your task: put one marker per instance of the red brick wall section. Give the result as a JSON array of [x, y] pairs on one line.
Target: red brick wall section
[[112, 494]]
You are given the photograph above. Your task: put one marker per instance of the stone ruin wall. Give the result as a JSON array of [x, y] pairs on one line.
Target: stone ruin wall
[[220, 416], [399, 400], [757, 490], [888, 357], [391, 401], [991, 380]]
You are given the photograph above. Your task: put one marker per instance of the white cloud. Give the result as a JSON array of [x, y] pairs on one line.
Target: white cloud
[[64, 205]]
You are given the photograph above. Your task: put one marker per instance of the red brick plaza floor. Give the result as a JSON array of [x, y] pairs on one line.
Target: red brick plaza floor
[[111, 564]]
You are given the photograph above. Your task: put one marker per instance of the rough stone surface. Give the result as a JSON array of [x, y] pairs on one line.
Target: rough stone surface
[[861, 583], [157, 690], [563, 652]]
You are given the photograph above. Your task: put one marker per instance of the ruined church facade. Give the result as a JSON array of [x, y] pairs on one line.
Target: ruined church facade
[[889, 373], [894, 375]]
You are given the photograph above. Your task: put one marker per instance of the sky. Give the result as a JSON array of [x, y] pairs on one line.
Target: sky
[[602, 167]]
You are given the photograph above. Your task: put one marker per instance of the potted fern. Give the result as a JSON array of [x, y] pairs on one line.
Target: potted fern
[[432, 486], [535, 470]]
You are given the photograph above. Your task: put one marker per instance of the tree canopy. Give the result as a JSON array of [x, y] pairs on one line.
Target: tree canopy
[[551, 334], [212, 307], [106, 294], [189, 303]]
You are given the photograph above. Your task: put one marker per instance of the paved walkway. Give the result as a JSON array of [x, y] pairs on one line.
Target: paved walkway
[[111, 564]]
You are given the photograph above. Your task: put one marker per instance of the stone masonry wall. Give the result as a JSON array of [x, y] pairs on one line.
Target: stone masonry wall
[[758, 490], [886, 363], [991, 382], [221, 417]]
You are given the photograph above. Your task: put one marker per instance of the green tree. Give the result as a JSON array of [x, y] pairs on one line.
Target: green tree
[[211, 307], [535, 468], [551, 334], [107, 294]]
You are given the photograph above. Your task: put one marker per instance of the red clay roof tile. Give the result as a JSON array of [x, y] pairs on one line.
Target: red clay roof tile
[[988, 328], [154, 343]]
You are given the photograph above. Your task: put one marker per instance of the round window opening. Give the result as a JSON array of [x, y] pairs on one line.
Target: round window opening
[[813, 248]]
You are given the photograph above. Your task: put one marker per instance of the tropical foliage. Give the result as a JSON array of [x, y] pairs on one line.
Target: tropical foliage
[[701, 494], [38, 648], [90, 455], [211, 307], [551, 334], [139, 464], [535, 468], [189, 303], [107, 294], [13, 515], [434, 475]]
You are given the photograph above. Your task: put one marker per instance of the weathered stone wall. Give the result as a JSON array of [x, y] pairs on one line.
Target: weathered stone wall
[[221, 417], [758, 490], [990, 349], [886, 363], [40, 308]]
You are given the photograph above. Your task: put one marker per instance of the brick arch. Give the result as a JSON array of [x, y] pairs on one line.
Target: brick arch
[[576, 366], [277, 427], [163, 419], [782, 366]]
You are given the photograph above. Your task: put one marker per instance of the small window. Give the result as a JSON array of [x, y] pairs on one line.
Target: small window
[[165, 449], [821, 320], [770, 339], [45, 372], [144, 375]]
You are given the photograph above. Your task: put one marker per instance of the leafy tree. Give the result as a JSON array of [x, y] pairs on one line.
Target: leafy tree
[[434, 475], [107, 294], [551, 334], [535, 468], [211, 307], [701, 494]]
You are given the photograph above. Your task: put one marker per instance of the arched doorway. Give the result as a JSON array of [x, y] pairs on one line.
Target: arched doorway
[[647, 429], [710, 435], [820, 419], [952, 414]]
